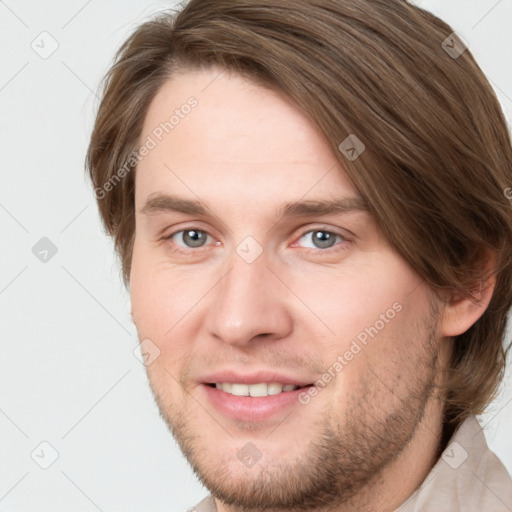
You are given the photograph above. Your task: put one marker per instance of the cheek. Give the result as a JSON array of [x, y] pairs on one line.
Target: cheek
[[153, 297], [156, 314], [164, 300], [373, 312], [150, 307], [352, 299]]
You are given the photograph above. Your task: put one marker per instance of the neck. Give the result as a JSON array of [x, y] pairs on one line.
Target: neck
[[408, 471]]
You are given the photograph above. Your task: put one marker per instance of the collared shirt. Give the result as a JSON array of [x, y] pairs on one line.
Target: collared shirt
[[468, 477]]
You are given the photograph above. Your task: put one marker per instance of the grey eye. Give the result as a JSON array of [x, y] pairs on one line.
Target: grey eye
[[192, 237], [321, 239]]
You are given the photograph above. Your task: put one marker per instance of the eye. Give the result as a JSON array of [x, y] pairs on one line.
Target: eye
[[185, 240], [189, 238], [321, 238]]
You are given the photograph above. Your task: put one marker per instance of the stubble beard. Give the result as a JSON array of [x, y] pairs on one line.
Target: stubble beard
[[339, 466]]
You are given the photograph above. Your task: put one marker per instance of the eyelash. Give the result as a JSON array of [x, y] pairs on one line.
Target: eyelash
[[328, 250]]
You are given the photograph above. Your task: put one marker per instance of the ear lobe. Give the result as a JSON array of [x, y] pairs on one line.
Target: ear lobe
[[460, 313]]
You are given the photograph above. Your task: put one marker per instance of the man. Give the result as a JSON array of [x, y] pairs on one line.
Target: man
[[308, 201]]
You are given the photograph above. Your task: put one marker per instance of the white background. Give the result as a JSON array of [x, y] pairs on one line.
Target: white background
[[68, 375]]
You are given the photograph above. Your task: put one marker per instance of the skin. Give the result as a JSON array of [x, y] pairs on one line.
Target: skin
[[370, 437]]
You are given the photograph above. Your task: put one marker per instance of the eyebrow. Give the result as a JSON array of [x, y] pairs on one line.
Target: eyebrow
[[163, 203]]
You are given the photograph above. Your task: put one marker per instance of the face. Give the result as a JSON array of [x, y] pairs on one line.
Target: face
[[230, 285]]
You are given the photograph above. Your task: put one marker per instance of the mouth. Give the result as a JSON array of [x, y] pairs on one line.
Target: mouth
[[262, 389], [253, 403]]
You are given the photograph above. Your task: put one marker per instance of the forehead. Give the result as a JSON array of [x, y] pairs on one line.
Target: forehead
[[237, 134]]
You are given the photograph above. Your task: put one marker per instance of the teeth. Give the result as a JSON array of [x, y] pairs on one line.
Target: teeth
[[255, 390], [275, 388], [240, 390]]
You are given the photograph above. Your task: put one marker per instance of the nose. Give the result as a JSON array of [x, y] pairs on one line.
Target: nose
[[249, 302]]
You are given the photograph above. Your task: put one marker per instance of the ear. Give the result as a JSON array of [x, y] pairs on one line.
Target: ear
[[460, 313]]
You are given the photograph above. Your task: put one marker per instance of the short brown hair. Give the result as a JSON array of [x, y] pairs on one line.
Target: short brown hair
[[437, 156]]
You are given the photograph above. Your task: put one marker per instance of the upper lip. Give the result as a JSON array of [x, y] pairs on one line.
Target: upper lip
[[253, 378]]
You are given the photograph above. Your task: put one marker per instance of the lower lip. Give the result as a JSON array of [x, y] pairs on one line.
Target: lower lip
[[251, 409]]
